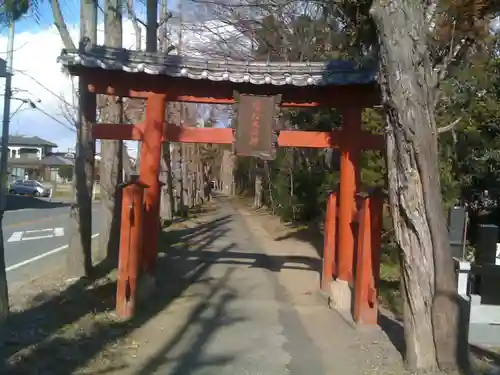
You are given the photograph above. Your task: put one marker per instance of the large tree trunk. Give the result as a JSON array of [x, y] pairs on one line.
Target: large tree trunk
[[152, 25], [79, 255], [227, 172], [169, 188], [432, 309], [166, 154], [176, 176], [258, 200], [184, 201], [111, 151]]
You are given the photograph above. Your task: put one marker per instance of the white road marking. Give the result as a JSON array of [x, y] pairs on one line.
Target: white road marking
[[20, 210], [38, 257], [21, 236], [39, 230], [16, 237], [37, 237]]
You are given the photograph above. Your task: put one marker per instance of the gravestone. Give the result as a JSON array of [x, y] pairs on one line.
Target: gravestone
[[497, 260], [488, 280], [457, 223], [486, 249], [490, 284]]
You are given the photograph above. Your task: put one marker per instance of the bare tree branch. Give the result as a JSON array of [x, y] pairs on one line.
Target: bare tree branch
[[135, 23], [61, 25], [449, 127]]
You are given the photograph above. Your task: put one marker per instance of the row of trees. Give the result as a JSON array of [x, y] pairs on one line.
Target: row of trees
[[439, 90], [192, 172], [433, 57], [468, 151]]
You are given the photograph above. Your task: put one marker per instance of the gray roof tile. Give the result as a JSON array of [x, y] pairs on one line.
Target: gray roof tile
[[22, 140], [336, 72]]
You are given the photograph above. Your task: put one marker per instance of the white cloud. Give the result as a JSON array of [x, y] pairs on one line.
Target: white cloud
[[36, 73], [38, 76]]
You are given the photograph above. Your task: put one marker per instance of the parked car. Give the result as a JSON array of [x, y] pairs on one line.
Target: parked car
[[29, 187]]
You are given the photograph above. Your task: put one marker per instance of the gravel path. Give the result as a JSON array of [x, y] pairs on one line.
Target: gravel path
[[231, 298], [256, 312]]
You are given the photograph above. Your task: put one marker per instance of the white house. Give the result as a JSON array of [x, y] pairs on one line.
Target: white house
[[26, 154], [24, 147]]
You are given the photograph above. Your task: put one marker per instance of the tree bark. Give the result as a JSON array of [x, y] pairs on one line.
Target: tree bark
[[79, 256], [227, 172], [135, 24], [152, 25], [86, 11], [184, 201], [434, 337], [258, 200], [111, 150], [166, 154], [176, 177]]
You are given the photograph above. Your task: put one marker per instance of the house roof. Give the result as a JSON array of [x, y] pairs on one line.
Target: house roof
[[23, 162], [336, 72], [49, 161], [56, 161], [22, 140]]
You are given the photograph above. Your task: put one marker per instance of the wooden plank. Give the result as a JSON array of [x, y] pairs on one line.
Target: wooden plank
[[150, 153], [365, 303], [329, 249], [131, 237], [287, 138], [141, 85], [199, 135]]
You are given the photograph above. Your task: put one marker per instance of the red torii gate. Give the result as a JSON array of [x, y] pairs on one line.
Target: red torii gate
[[159, 78]]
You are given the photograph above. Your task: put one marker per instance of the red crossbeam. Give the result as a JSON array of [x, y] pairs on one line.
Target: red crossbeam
[[287, 138]]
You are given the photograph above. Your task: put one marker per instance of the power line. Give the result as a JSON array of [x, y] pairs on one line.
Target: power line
[[16, 49], [54, 94], [67, 126], [45, 87]]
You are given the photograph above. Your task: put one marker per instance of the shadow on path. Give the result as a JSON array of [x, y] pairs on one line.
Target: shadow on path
[[64, 331], [194, 357], [311, 234], [490, 355], [21, 202]]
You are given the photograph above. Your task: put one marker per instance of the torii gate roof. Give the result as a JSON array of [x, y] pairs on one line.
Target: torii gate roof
[[336, 72]]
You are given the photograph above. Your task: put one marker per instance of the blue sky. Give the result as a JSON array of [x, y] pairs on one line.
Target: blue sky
[[38, 77], [31, 83], [70, 9], [71, 12]]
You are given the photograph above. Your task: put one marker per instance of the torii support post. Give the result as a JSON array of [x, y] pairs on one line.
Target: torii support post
[[368, 260], [131, 234], [329, 249], [365, 301], [377, 216], [151, 145], [350, 149]]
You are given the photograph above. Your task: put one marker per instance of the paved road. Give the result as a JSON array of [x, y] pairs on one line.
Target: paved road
[[36, 234]]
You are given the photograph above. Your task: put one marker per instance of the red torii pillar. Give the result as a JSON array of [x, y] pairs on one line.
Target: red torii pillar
[[365, 310], [150, 152], [329, 246], [350, 149], [131, 237]]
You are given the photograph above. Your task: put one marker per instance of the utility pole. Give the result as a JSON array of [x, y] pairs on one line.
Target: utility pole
[[4, 294]]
